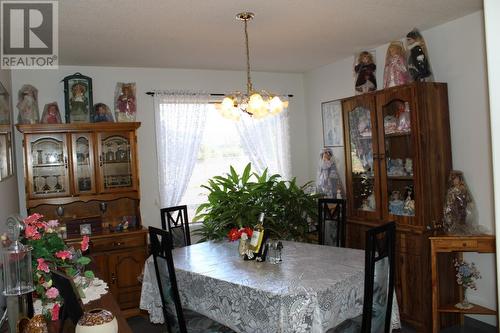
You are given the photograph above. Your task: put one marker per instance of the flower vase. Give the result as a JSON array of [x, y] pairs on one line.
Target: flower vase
[[242, 248], [464, 304]]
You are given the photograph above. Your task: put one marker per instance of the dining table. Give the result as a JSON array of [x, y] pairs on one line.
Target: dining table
[[313, 289]]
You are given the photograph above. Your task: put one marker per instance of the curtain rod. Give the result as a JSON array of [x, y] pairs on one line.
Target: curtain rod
[[152, 93]]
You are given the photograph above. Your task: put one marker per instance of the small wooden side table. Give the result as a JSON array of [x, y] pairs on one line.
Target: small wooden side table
[[448, 244]]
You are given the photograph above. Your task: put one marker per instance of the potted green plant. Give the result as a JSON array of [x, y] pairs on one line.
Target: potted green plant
[[235, 201]]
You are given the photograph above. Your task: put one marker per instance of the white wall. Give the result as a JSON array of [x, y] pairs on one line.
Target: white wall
[[492, 27], [457, 55], [104, 81]]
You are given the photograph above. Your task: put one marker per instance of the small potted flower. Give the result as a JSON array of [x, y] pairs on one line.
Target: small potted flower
[[243, 234], [467, 274]]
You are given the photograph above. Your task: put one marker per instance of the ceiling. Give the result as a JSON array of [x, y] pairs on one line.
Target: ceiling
[[285, 36]]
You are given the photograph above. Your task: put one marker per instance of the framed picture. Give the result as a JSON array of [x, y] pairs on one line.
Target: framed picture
[[333, 133], [73, 308], [78, 98]]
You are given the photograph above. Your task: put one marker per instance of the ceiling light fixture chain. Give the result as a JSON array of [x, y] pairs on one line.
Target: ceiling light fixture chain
[[257, 104]]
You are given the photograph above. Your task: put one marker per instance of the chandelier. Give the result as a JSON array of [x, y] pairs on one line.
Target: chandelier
[[257, 104]]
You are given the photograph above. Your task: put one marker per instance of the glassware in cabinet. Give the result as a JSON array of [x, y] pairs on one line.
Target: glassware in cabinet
[[48, 166], [83, 163], [117, 168]]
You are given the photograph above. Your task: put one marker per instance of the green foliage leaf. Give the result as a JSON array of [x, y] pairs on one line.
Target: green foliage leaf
[[89, 274], [235, 201], [83, 261]]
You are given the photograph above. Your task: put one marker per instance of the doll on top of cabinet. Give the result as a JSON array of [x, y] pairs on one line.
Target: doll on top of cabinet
[[395, 72], [365, 73], [51, 114], [418, 61], [28, 105], [125, 102]]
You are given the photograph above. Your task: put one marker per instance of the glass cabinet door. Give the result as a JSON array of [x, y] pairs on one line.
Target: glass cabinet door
[[83, 163], [362, 171], [117, 168], [398, 169], [47, 166]]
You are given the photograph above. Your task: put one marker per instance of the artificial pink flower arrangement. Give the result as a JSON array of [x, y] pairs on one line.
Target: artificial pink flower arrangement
[[50, 253]]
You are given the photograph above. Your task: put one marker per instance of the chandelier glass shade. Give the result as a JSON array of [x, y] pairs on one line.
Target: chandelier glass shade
[[257, 104]]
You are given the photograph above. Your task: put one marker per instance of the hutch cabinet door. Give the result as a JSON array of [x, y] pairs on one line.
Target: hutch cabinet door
[[117, 165], [362, 169], [125, 267], [47, 169], [397, 147], [83, 163]]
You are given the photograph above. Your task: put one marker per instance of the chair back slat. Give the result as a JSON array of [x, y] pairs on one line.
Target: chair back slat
[[331, 221], [379, 278], [175, 220], [161, 249]]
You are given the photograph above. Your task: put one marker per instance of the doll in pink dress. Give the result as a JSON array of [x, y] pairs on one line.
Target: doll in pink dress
[[396, 71], [51, 114], [125, 104]]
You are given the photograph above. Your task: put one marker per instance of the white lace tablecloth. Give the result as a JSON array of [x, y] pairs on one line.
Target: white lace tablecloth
[[315, 287]]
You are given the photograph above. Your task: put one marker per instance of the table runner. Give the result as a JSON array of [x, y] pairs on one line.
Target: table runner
[[315, 288]]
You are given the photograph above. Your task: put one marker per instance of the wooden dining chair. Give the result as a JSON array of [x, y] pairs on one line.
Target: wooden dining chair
[[175, 220], [176, 318], [379, 283], [331, 221]]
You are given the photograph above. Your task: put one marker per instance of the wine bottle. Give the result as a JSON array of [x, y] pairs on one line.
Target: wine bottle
[[257, 242]]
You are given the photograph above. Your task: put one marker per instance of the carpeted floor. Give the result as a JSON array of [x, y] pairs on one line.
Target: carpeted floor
[[141, 324]]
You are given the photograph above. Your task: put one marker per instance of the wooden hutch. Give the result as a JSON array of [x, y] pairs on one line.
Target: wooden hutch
[[397, 166], [86, 176]]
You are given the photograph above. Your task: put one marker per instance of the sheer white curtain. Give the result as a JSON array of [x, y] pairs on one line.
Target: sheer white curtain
[[267, 143], [180, 121]]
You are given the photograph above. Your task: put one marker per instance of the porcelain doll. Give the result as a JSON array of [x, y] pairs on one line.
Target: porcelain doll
[[403, 114], [365, 73], [78, 103], [125, 103], [28, 105], [395, 71], [51, 114], [418, 62], [102, 113], [457, 205], [328, 181], [396, 205]]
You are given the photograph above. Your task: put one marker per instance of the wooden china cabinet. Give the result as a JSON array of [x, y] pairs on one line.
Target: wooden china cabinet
[[87, 174], [398, 158]]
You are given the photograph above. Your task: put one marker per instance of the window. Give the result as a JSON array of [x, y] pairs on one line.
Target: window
[[220, 148]]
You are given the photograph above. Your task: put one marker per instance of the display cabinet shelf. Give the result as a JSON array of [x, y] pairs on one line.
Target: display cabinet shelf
[[400, 136]]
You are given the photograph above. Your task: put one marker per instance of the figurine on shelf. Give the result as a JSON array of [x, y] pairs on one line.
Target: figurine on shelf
[[328, 181], [125, 103], [364, 124], [365, 73], [403, 114], [395, 167], [51, 114], [390, 124], [102, 113], [418, 61], [396, 205], [28, 105], [409, 204], [459, 209], [409, 166], [395, 72]]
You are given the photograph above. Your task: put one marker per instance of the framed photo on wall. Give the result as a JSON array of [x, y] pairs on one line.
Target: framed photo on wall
[[78, 98], [333, 133]]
